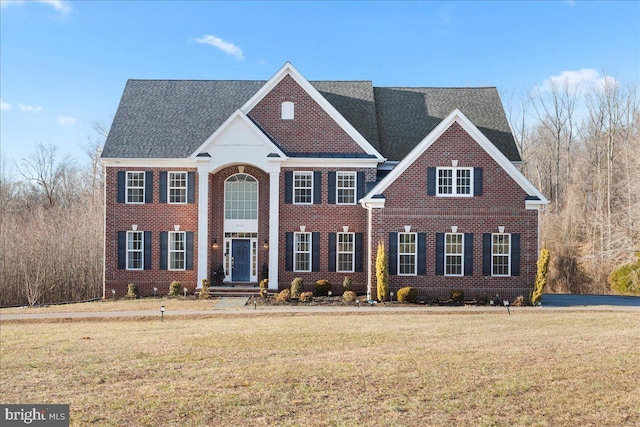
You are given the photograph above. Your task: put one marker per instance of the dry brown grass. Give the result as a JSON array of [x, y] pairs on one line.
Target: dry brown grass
[[534, 368], [171, 304]]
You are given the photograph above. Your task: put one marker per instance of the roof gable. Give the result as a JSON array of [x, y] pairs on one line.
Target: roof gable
[[455, 116]]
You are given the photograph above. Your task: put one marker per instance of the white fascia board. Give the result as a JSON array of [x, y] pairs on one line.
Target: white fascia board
[[324, 162], [238, 114], [288, 69], [457, 116], [152, 163]]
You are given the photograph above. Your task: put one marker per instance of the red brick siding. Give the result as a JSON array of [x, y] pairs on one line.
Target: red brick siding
[[154, 217], [312, 129], [323, 218], [501, 204]]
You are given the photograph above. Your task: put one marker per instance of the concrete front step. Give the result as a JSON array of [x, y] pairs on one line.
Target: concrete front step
[[234, 291]]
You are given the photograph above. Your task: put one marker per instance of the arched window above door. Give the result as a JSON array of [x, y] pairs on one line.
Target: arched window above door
[[241, 197]]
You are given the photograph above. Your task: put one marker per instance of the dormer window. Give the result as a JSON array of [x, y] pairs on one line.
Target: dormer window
[[287, 110]]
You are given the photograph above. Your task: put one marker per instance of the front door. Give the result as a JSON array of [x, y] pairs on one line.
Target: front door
[[241, 260]]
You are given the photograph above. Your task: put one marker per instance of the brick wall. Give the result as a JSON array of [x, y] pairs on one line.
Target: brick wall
[[154, 217], [312, 129]]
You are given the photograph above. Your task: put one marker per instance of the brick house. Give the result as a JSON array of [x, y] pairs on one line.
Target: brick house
[[303, 179]]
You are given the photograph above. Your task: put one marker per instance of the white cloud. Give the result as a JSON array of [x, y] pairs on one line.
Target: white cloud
[[576, 80], [61, 6], [65, 120], [4, 105], [225, 46], [30, 108]]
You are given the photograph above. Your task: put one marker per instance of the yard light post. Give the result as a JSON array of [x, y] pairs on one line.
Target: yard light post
[[506, 304], [185, 292], [113, 293], [391, 293], [162, 313], [155, 290], [255, 303], [329, 293], [358, 302]]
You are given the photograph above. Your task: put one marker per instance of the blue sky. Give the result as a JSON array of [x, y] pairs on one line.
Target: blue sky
[[64, 64]]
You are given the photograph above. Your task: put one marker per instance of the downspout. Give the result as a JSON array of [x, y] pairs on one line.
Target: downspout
[[104, 230], [369, 248]]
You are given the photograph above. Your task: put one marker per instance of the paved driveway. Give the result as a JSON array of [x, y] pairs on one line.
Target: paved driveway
[[570, 300]]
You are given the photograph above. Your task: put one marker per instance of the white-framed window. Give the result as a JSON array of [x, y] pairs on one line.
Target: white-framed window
[[287, 110], [303, 188], [407, 254], [177, 187], [177, 250], [501, 254], [135, 187], [455, 182], [454, 254], [346, 188], [241, 197], [302, 252], [135, 250], [345, 252]]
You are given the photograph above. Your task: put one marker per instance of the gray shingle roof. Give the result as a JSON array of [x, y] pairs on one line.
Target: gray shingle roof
[[172, 118]]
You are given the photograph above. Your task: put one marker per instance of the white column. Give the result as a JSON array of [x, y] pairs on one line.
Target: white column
[[274, 221], [203, 225]]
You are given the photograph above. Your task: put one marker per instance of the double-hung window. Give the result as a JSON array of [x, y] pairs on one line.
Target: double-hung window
[[455, 181], [501, 254], [454, 254], [346, 188], [303, 188], [302, 252], [135, 250], [407, 251], [135, 187], [345, 252], [177, 250], [177, 187]]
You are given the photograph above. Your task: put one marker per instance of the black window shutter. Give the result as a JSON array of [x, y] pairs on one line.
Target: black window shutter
[[122, 250], [315, 251], [393, 253], [147, 250], [289, 251], [439, 254], [361, 186], [515, 254], [477, 181], [189, 248], [121, 186], [162, 194], [431, 181], [468, 254], [317, 188], [359, 251], [422, 254], [288, 188], [191, 187], [486, 254], [332, 251], [164, 249], [148, 187], [332, 189]]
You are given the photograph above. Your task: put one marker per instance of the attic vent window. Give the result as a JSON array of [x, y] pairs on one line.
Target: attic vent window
[[287, 110]]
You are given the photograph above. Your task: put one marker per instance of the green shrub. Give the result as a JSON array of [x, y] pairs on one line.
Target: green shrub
[[349, 296], [204, 294], [482, 299], [456, 295], [306, 297], [174, 288], [382, 272], [218, 276], [407, 294], [626, 278], [297, 287], [347, 284], [322, 287], [132, 291], [283, 295], [264, 274]]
